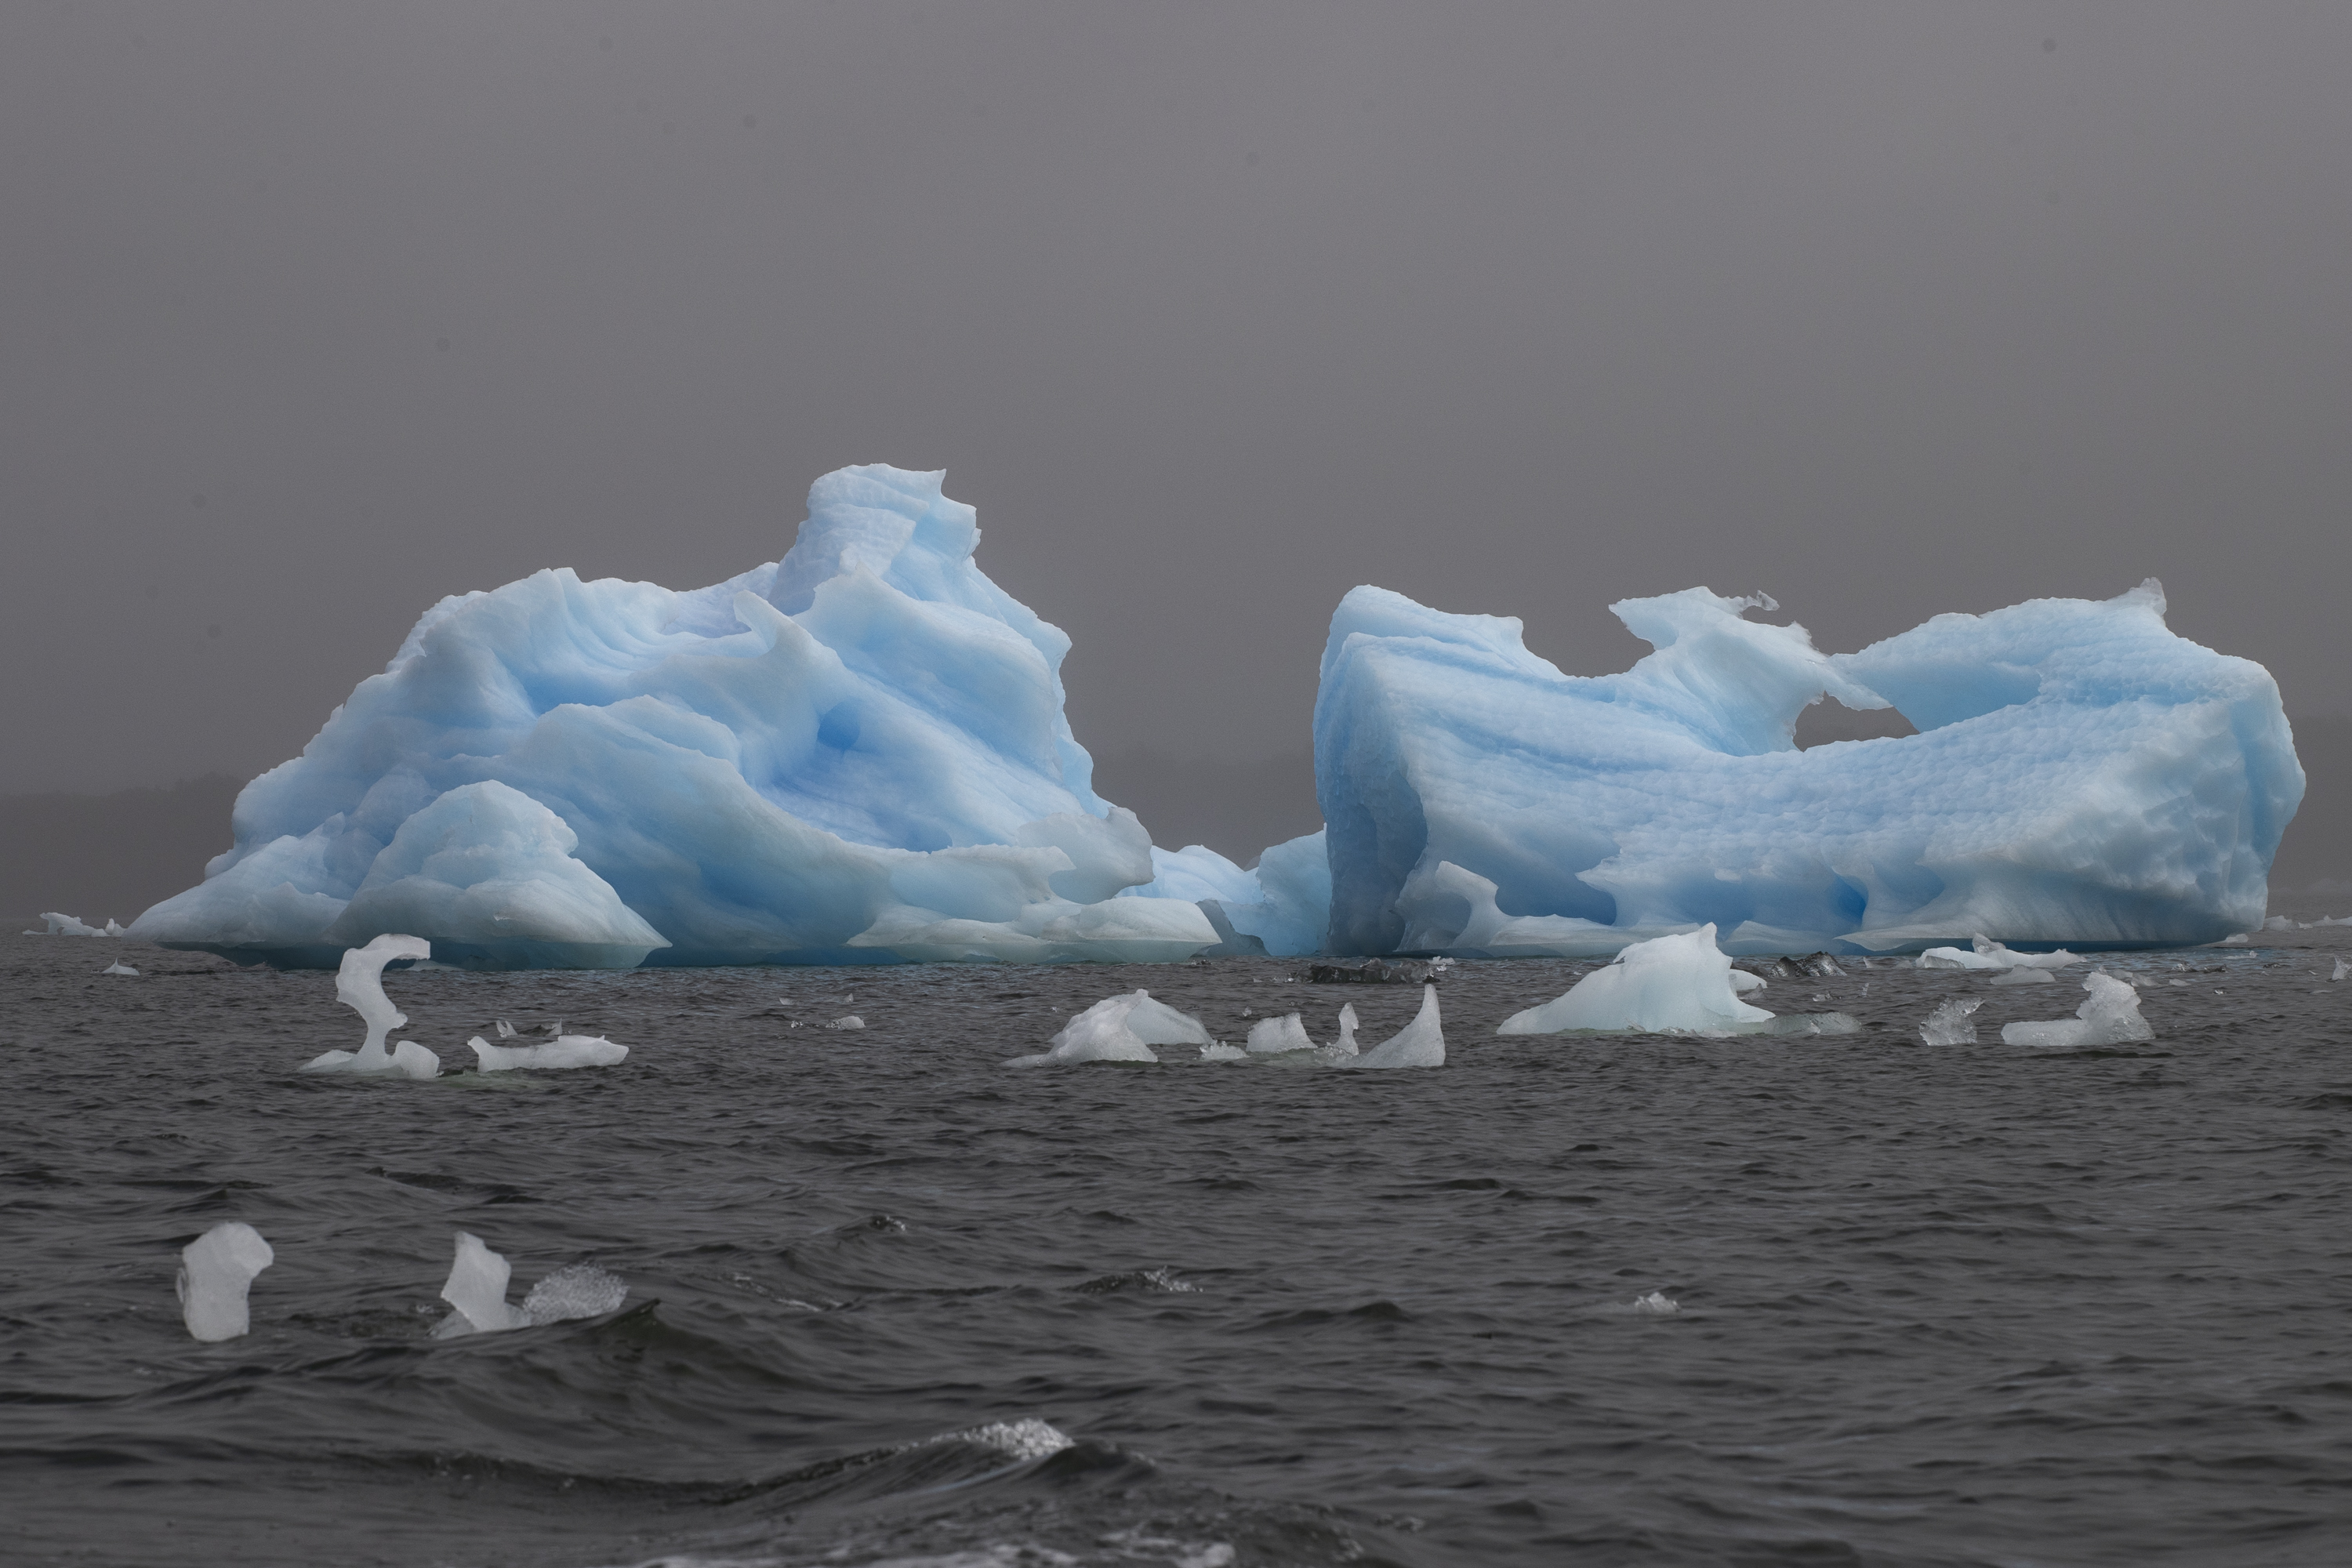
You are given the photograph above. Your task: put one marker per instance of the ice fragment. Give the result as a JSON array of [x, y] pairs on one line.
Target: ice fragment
[[215, 1271]]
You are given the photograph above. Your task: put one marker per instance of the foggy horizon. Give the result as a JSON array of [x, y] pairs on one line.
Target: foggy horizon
[[317, 316]]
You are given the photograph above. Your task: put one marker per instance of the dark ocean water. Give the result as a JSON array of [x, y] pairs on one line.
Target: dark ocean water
[[1974, 1304]]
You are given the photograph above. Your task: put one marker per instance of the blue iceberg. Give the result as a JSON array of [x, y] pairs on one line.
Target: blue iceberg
[[858, 753], [2081, 775]]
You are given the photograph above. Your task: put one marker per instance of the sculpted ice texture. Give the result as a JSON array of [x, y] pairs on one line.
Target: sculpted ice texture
[[856, 753], [2081, 776]]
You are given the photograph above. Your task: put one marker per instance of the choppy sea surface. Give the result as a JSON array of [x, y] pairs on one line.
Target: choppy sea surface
[[890, 1303]]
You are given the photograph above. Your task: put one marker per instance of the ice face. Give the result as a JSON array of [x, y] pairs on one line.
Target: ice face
[[1271, 1035], [1420, 1044], [564, 1051], [856, 753], [2081, 776], [2111, 1017], [215, 1271], [489, 870], [1668, 984]]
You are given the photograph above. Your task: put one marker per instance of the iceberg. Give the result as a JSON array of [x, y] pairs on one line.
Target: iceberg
[[2080, 776], [858, 753], [1280, 908], [1668, 984], [2111, 1017], [215, 1271], [56, 924], [358, 985]]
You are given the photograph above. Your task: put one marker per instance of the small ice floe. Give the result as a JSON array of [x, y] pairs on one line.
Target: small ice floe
[[1669, 984], [2111, 1017], [56, 924], [2343, 969], [563, 1052], [216, 1271], [477, 1288], [847, 1021], [1948, 1024], [1119, 1029], [119, 967], [1985, 953], [2023, 977], [358, 985], [1420, 1044], [1656, 1304]]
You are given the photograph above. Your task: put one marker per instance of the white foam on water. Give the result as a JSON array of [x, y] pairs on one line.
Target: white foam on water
[[1656, 1304], [850, 1021], [215, 1271], [575, 1291], [1028, 1438]]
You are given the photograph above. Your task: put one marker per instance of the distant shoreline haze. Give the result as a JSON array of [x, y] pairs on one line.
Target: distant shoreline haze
[[112, 855]]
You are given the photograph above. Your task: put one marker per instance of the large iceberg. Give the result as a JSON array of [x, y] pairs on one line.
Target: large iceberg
[[858, 753], [2081, 775]]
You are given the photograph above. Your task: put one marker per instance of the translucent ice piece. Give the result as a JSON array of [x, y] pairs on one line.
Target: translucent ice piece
[[216, 1271], [1948, 1024], [2111, 1017], [477, 1289], [1668, 984], [1271, 1035], [564, 1051], [1420, 1044]]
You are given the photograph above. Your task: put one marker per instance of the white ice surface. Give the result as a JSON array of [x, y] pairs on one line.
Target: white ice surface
[[358, 985], [1119, 1029], [2111, 1017], [119, 967], [477, 1288], [2081, 776], [57, 924], [563, 1052], [1420, 1044], [1270, 1035], [217, 1270], [1679, 984], [858, 751]]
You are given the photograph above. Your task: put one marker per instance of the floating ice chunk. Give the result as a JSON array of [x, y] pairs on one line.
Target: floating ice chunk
[[1119, 1029], [575, 1291], [1986, 948], [66, 925], [847, 1021], [1271, 1035], [1656, 1304], [477, 1289], [1345, 1044], [563, 1052], [2111, 1017], [2279, 923], [2023, 977], [1420, 1044], [1956, 958], [506, 1030], [2080, 773], [119, 967], [1218, 1051], [1678, 984], [216, 1271], [1948, 1024], [2342, 970], [358, 985]]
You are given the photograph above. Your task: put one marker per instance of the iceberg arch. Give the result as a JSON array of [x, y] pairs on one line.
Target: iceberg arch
[[2081, 775], [858, 753]]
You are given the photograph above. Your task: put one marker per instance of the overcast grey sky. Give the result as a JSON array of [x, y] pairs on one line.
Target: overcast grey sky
[[312, 313]]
